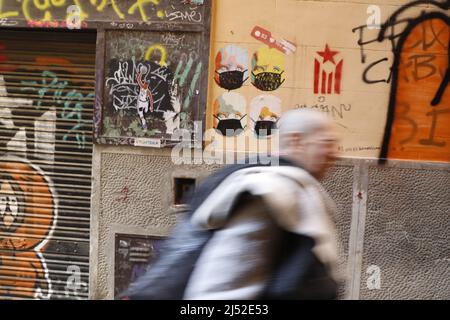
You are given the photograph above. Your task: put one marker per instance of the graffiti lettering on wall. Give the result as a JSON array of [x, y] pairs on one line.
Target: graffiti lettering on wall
[[5, 22], [51, 13], [45, 155], [72, 102], [418, 112], [327, 76], [197, 2], [265, 37], [337, 112], [190, 15], [27, 222]]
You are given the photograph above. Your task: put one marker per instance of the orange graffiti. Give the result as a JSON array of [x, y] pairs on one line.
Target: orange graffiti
[[27, 217], [47, 61], [420, 128], [4, 60]]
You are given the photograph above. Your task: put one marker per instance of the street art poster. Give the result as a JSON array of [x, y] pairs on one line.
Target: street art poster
[[268, 69], [265, 111], [152, 85], [231, 67], [230, 114], [133, 256]]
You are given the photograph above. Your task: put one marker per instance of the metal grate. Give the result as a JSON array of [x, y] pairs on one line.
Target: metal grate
[[46, 109]]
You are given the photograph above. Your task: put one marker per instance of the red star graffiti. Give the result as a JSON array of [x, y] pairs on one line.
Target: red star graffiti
[[328, 55], [327, 82]]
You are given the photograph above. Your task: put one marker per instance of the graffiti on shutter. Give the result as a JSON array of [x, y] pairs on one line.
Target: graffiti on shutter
[[46, 107]]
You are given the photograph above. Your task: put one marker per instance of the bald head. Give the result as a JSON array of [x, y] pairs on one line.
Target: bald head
[[303, 121], [308, 138]]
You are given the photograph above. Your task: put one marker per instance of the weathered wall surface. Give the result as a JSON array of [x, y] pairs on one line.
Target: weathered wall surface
[[386, 89], [141, 202], [136, 196], [392, 220], [379, 69], [406, 234]]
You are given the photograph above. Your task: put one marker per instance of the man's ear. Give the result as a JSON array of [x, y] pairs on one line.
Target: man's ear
[[294, 140], [297, 139]]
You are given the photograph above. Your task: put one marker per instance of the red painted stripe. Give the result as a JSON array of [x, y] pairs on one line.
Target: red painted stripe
[[338, 77], [324, 82], [316, 75], [330, 82]]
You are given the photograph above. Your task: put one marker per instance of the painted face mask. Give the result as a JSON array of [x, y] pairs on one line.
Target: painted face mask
[[268, 81], [264, 127], [231, 80], [230, 127]]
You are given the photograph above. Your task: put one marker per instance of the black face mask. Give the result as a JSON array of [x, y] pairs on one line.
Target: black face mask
[[231, 80], [225, 126], [268, 81], [266, 126]]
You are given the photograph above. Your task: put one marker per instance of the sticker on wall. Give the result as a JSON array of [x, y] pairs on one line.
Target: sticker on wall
[[265, 111], [134, 254], [230, 115], [327, 72], [268, 67], [231, 67], [144, 89], [265, 37]]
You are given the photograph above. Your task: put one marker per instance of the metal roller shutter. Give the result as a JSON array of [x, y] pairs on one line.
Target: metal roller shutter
[[46, 120]]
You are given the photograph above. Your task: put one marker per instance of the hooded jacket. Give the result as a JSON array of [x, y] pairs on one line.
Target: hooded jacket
[[274, 238]]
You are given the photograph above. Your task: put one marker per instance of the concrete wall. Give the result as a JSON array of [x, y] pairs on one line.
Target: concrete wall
[[407, 233], [133, 195], [393, 217]]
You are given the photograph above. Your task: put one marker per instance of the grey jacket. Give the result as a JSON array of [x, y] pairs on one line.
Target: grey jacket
[[237, 261]]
